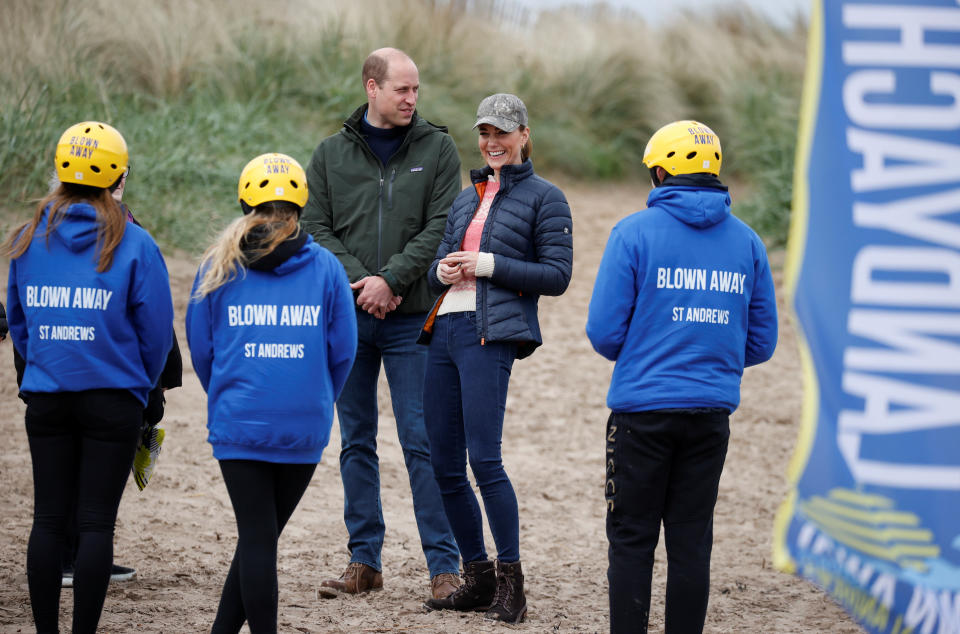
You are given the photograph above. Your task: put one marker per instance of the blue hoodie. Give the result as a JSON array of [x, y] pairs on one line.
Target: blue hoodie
[[79, 329], [273, 349], [683, 301]]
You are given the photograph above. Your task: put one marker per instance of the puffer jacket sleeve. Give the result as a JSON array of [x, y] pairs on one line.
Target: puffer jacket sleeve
[[550, 273], [448, 243]]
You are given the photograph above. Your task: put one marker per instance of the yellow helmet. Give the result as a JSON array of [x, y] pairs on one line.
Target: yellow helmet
[[91, 153], [272, 177], [684, 147]]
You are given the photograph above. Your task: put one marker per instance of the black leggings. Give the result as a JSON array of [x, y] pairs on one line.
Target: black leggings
[[82, 446], [264, 495]]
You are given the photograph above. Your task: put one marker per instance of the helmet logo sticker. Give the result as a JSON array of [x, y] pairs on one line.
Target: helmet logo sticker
[[78, 175], [278, 191], [706, 164]]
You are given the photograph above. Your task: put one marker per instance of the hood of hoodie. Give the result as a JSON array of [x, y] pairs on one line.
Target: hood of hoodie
[[696, 206], [77, 230]]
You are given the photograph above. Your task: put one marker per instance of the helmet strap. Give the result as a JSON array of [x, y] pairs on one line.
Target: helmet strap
[[247, 209], [116, 183], [653, 177]]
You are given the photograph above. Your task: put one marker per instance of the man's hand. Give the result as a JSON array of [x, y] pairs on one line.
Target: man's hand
[[375, 296]]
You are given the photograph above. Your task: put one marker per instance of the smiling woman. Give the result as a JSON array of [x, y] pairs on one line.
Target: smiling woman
[[507, 241], [500, 148]]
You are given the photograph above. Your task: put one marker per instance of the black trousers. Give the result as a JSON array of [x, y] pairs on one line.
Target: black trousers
[[264, 496], [82, 446], [662, 466]]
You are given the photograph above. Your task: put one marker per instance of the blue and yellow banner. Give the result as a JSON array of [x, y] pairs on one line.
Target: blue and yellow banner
[[873, 513]]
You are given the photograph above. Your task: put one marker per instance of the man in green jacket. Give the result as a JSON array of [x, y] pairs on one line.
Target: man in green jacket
[[380, 190]]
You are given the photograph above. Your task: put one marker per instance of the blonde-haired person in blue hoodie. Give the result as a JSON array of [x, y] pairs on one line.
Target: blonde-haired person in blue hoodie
[[90, 313], [272, 335]]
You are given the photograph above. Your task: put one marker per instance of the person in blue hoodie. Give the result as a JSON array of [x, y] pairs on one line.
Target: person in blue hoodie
[[171, 377], [683, 301], [272, 332], [90, 312], [508, 240]]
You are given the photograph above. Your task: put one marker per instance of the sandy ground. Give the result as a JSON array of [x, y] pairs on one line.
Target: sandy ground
[[179, 533]]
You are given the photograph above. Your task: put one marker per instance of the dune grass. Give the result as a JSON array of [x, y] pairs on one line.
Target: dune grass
[[198, 87]]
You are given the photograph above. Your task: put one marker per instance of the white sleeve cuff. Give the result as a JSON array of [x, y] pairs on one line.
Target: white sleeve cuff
[[485, 264], [440, 277]]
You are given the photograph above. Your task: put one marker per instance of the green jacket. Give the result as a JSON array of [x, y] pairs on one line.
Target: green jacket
[[380, 219]]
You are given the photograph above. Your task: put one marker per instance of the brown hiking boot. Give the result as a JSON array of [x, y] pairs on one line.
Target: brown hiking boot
[[357, 578], [510, 603], [444, 584], [476, 593]]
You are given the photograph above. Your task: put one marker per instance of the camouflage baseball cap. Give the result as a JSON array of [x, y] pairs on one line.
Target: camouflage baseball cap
[[502, 110]]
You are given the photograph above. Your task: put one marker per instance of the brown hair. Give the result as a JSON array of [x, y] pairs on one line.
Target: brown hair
[[111, 221], [527, 147], [225, 258], [377, 64], [375, 67]]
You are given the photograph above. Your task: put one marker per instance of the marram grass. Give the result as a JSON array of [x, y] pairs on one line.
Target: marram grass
[[197, 87]]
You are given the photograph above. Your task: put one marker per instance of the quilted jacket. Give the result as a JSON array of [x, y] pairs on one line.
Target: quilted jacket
[[529, 231]]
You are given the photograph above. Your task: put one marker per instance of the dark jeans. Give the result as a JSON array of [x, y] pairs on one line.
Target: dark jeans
[[465, 395], [82, 445], [664, 466], [392, 342], [264, 496]]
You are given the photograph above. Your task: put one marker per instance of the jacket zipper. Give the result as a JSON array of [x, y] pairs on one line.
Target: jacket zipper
[[380, 167], [380, 219], [393, 175], [484, 241]]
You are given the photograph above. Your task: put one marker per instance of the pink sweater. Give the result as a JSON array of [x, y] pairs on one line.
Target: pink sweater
[[462, 296]]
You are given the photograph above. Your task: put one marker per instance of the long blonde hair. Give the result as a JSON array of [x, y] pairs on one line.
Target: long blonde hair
[[111, 221], [225, 259]]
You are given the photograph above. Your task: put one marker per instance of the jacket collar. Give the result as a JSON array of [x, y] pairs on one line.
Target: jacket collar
[[418, 126], [509, 174]]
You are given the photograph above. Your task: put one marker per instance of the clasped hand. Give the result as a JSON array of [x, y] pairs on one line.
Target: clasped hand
[[375, 296]]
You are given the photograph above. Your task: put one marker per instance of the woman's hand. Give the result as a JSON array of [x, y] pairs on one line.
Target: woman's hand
[[449, 273], [465, 260]]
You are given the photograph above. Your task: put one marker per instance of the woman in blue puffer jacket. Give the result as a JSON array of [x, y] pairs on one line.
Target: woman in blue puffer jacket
[[508, 240]]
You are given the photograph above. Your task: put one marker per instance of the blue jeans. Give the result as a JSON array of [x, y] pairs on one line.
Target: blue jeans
[[465, 395], [392, 341]]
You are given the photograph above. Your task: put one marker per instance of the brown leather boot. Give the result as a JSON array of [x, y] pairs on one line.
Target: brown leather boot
[[444, 584], [355, 579], [510, 604], [476, 593]]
